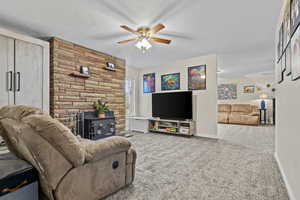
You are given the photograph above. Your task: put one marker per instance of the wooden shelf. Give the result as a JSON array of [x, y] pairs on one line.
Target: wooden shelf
[[161, 126], [161, 131], [110, 69], [165, 126], [80, 75]]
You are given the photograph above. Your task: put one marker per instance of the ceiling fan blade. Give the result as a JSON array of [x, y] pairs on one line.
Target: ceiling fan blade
[[129, 29], [130, 40], [160, 40], [183, 36], [157, 28]]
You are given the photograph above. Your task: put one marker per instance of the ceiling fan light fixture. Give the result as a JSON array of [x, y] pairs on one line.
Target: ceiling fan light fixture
[[143, 44], [144, 35]]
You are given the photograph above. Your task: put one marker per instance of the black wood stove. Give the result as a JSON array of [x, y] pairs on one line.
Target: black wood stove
[[93, 128]]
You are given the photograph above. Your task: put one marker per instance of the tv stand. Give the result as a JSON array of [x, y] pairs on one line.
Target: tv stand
[[176, 127]]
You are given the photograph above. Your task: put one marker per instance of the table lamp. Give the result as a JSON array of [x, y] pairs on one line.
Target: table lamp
[[263, 96]]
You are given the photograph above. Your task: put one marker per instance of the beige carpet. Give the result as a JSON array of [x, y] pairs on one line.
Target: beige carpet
[[260, 138], [178, 168]]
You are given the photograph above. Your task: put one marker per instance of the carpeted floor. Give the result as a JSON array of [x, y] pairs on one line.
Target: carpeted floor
[[260, 138], [178, 168]]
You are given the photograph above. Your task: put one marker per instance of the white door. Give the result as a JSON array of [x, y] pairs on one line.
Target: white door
[[6, 70], [28, 74]]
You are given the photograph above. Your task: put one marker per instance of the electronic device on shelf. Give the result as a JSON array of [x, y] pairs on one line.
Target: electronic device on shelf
[[173, 105], [172, 113]]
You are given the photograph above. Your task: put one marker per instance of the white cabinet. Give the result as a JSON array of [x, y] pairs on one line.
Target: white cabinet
[[24, 71], [6, 70], [139, 124]]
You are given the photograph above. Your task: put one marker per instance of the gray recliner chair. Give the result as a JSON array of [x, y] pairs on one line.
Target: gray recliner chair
[[69, 168]]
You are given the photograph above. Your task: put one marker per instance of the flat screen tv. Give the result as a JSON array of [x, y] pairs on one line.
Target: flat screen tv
[[175, 105]]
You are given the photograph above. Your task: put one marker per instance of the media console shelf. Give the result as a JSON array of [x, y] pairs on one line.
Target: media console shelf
[[176, 127]]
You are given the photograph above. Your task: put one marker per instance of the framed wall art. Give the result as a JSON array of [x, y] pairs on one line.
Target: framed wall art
[[295, 55], [227, 91], [286, 26], [249, 89], [197, 77], [110, 66], [85, 70], [149, 83], [170, 81], [295, 15]]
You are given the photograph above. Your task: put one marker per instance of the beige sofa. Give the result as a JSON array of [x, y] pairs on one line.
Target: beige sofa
[[69, 168], [244, 114]]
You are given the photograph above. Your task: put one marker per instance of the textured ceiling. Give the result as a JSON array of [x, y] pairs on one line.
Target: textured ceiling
[[240, 32]]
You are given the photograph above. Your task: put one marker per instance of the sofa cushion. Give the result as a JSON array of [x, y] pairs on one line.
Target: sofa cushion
[[224, 108], [243, 108], [235, 118], [58, 136], [223, 117], [255, 108], [254, 114]]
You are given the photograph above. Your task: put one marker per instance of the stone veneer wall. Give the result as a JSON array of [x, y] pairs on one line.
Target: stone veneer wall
[[69, 95]]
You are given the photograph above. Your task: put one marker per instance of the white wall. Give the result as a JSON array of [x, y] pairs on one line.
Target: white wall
[[252, 98], [205, 107], [288, 133]]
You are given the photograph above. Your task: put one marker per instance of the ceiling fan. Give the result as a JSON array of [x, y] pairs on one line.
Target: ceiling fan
[[144, 35]]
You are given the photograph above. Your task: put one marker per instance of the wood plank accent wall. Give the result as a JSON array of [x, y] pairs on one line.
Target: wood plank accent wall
[[69, 95]]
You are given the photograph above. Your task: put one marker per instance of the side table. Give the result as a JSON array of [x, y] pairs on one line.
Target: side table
[[18, 179], [263, 116]]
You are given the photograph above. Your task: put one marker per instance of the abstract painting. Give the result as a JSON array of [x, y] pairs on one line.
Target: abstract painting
[[286, 26], [249, 89], [295, 15], [227, 91], [197, 77], [170, 81], [295, 52], [149, 83]]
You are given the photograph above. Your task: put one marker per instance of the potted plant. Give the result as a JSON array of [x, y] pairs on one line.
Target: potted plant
[[101, 107]]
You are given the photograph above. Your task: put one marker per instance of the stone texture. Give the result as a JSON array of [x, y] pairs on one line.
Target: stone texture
[[69, 95]]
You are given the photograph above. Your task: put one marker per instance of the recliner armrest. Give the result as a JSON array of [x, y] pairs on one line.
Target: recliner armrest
[[254, 114], [97, 150]]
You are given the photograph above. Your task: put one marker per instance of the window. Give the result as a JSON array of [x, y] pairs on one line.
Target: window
[[130, 97]]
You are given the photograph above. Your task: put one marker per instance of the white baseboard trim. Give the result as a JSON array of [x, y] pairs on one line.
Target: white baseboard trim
[[287, 185], [206, 136]]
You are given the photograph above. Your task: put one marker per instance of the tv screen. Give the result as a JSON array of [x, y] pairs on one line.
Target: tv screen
[[175, 105]]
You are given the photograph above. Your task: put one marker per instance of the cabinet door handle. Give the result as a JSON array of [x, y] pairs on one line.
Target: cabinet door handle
[[19, 81], [9, 81]]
